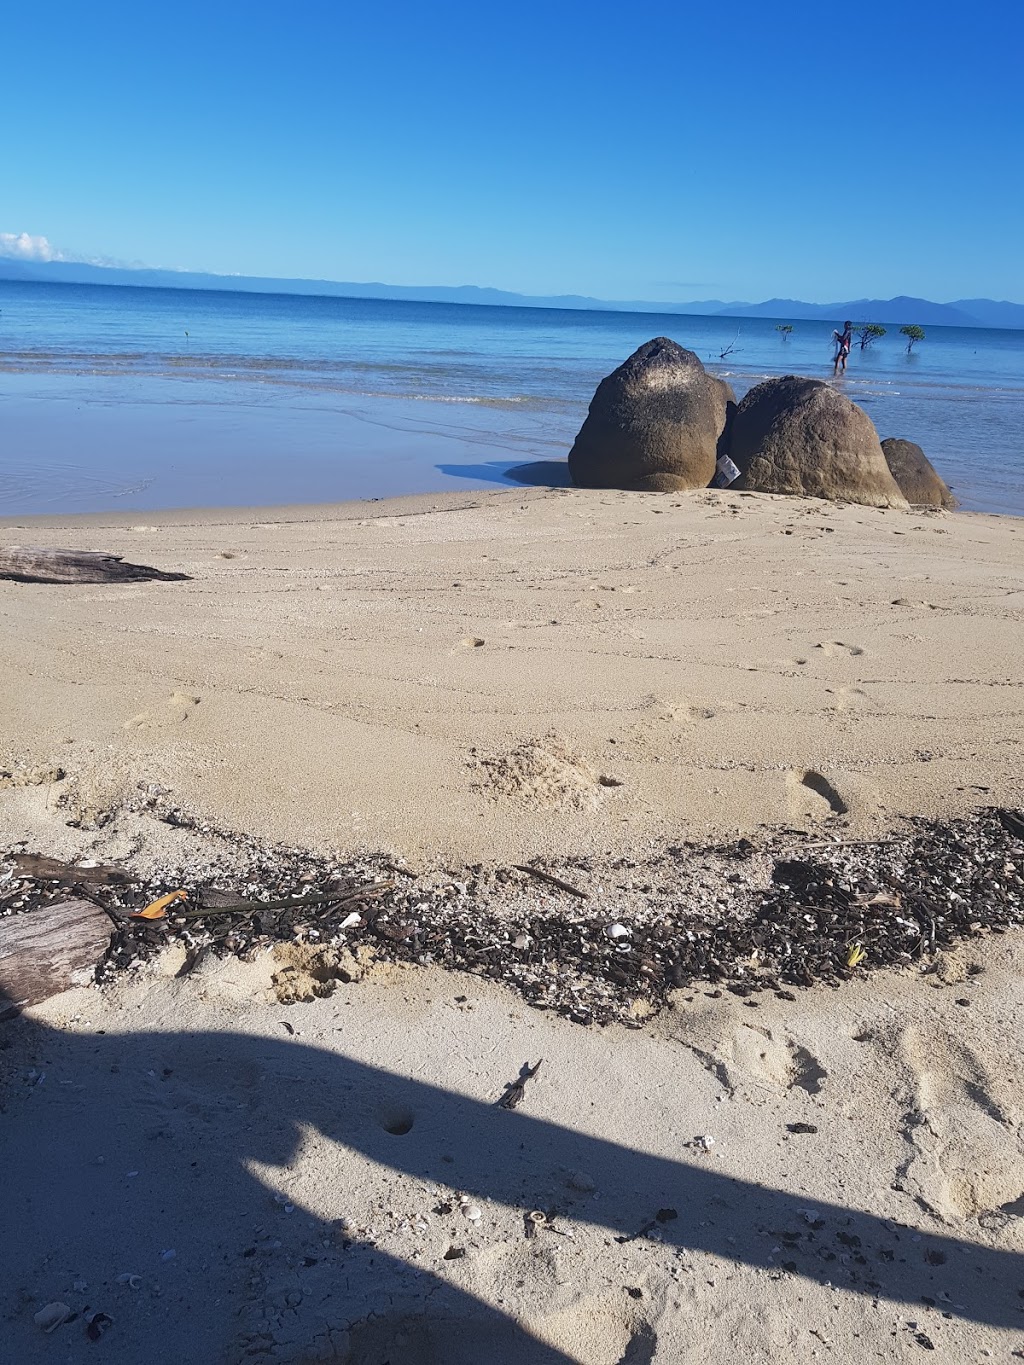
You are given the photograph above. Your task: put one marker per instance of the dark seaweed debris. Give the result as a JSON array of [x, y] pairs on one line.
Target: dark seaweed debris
[[821, 914]]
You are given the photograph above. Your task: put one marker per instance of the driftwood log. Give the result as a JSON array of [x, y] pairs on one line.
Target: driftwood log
[[42, 869], [49, 950], [24, 564]]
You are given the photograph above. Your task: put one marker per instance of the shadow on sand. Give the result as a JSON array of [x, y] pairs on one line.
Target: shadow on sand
[[536, 474], [102, 1180]]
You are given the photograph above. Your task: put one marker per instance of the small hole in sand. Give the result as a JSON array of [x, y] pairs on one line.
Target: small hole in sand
[[398, 1122]]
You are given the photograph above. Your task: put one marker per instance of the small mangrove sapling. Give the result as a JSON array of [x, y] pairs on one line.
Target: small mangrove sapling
[[870, 333], [913, 333]]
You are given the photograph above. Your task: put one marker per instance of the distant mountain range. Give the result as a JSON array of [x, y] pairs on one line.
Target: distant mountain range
[[959, 313]]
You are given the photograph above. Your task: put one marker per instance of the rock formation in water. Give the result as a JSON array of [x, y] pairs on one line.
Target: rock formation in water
[[919, 482], [655, 423], [801, 436]]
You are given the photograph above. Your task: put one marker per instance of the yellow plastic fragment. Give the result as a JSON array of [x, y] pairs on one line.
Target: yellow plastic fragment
[[158, 909]]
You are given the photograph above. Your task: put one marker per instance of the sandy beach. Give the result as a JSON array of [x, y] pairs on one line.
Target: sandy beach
[[460, 684], [232, 1180], [511, 687], [489, 677]]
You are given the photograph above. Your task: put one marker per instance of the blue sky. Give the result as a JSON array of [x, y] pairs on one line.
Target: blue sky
[[672, 151]]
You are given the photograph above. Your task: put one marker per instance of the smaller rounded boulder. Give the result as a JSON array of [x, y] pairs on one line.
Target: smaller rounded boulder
[[654, 424], [802, 437], [919, 481]]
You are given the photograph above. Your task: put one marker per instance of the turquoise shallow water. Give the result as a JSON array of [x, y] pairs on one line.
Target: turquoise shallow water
[[145, 398]]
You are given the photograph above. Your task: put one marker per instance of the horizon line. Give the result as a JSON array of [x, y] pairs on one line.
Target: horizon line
[[556, 302]]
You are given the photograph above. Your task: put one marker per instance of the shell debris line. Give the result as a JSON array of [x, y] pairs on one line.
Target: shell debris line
[[745, 918]]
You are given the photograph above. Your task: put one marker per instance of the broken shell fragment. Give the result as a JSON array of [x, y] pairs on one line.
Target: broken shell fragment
[[96, 1324], [618, 931], [471, 1211], [52, 1316]]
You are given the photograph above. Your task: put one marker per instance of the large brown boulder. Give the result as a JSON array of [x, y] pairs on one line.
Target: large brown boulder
[[919, 482], [802, 436], [654, 424]]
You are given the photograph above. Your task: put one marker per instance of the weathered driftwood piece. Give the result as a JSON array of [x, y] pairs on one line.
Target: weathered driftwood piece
[[49, 950], [40, 868], [362, 893], [25, 564], [549, 877]]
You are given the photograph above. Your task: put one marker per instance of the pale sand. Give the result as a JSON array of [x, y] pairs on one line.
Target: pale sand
[[323, 686], [457, 682], [181, 1116]]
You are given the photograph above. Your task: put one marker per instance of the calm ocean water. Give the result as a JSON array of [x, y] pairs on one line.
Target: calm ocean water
[[114, 397]]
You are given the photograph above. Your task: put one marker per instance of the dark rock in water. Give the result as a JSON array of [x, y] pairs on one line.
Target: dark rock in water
[[654, 425], [919, 482], [800, 436]]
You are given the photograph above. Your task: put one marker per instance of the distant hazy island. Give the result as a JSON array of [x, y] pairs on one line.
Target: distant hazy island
[[959, 313]]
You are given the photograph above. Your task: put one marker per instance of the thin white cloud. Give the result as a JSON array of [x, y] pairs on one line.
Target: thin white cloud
[[23, 246]]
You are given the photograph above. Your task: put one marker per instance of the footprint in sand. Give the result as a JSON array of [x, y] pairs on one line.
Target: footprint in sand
[[617, 1330], [175, 710], [762, 1054], [832, 648], [965, 1159], [739, 1056], [810, 796], [850, 698], [657, 708]]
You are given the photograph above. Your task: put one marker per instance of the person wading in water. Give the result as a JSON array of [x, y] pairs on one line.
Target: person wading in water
[[843, 340]]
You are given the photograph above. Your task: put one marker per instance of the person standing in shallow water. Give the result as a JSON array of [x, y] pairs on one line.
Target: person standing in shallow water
[[843, 340]]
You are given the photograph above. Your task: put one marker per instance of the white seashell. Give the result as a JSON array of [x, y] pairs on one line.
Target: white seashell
[[132, 1281], [351, 920], [472, 1211], [618, 931], [706, 1142], [51, 1317]]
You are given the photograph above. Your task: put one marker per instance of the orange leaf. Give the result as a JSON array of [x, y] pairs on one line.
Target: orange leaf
[[158, 909]]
